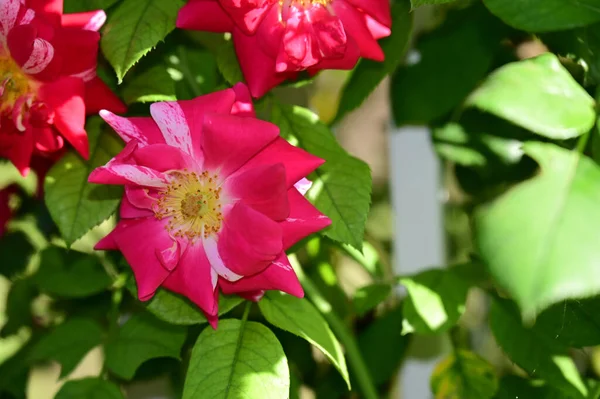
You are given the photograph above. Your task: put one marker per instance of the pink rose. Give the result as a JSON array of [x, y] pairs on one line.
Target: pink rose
[[276, 39], [209, 199]]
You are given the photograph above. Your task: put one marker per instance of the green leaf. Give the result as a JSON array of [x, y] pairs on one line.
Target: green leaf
[[344, 189], [238, 360], [534, 350], [462, 144], [228, 64], [16, 250], [70, 274], [134, 28], [528, 93], [68, 343], [540, 239], [300, 317], [368, 74], [418, 3], [142, 337], [89, 388], [178, 310], [152, 85], [18, 306], [75, 205], [464, 375], [73, 6], [382, 346], [574, 323], [545, 15], [369, 297], [436, 300], [436, 77], [513, 387]]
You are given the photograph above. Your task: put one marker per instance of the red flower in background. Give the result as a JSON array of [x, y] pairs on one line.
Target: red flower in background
[[48, 79], [275, 39], [210, 199]]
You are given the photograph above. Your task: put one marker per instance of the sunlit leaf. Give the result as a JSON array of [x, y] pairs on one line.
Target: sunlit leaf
[[436, 300], [238, 360], [528, 93], [540, 239], [136, 27], [300, 317]]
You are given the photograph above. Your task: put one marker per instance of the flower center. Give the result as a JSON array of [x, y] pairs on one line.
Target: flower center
[[13, 83], [193, 203]]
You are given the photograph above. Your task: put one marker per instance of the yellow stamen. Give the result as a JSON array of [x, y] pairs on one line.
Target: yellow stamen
[[13, 83], [193, 203]]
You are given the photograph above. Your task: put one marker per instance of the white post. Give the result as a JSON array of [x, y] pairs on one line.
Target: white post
[[419, 232]]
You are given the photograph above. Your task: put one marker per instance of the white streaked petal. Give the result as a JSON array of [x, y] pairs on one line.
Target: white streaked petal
[[303, 185], [124, 127], [86, 75], [96, 22], [40, 58], [212, 253], [172, 123], [27, 17], [214, 278], [9, 9], [136, 174]]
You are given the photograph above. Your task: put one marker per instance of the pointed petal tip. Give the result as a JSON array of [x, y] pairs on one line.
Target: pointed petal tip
[[145, 297], [85, 152], [24, 171], [105, 114], [96, 21], [106, 244], [213, 321], [93, 177]]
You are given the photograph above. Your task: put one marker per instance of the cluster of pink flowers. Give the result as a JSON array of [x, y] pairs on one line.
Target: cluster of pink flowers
[[277, 39], [213, 196]]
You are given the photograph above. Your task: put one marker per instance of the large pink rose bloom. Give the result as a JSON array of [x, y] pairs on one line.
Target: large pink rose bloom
[[210, 199], [275, 39]]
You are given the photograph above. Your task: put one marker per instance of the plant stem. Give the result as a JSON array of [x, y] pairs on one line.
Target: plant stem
[[246, 312], [341, 331], [582, 142]]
